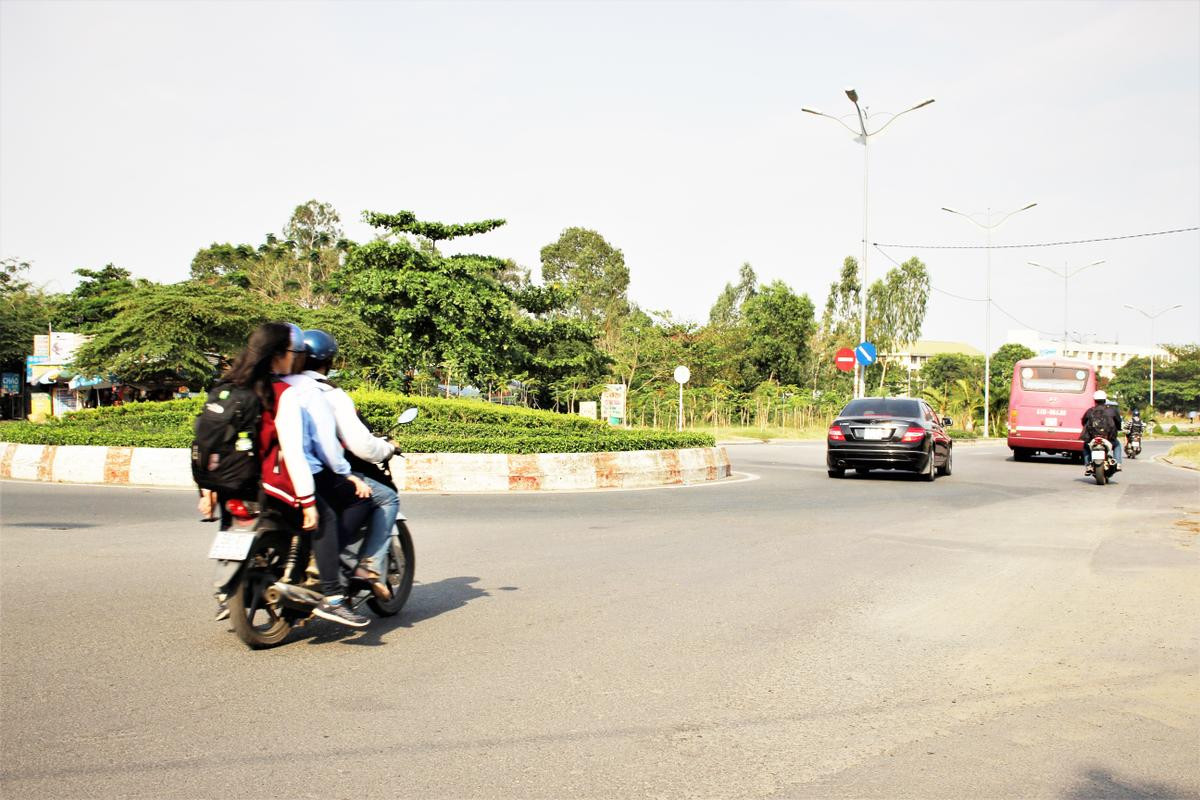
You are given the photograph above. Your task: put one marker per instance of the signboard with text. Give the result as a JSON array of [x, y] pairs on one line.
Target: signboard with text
[[612, 403]]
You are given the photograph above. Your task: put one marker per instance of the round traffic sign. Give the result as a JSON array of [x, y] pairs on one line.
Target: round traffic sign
[[844, 359], [865, 353], [682, 375]]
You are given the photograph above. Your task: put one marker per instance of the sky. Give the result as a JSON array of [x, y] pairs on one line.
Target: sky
[[138, 133]]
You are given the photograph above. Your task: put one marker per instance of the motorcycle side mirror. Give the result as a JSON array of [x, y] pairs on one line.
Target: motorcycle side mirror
[[947, 422], [407, 416]]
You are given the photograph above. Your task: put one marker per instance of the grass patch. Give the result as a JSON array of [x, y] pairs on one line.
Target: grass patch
[[1188, 453]]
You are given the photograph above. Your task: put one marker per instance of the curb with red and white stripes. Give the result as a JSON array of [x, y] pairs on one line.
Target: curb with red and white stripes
[[418, 472]]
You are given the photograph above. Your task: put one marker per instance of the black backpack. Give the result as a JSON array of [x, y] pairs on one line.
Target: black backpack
[[225, 455]]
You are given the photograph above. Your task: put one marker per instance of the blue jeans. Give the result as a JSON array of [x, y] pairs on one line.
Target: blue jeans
[[385, 505]]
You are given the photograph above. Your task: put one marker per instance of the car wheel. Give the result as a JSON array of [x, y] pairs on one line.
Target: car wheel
[[1022, 454], [930, 472], [948, 467]]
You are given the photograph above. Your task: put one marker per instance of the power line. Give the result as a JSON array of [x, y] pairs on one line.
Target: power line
[[1024, 246], [969, 299]]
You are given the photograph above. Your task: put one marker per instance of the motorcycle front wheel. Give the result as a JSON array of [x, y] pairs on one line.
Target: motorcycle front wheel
[[256, 622], [401, 568]]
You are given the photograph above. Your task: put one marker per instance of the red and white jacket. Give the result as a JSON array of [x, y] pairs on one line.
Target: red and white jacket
[[285, 472]]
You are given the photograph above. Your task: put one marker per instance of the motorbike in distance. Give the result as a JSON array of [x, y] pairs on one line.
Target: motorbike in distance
[[1103, 465], [269, 578]]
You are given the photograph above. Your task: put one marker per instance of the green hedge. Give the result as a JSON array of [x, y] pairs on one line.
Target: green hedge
[[959, 433], [443, 426]]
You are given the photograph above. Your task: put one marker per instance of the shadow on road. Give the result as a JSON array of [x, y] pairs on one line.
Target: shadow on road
[[427, 601], [1101, 784]]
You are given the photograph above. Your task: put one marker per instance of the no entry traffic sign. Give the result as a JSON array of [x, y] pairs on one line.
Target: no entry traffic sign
[[844, 359]]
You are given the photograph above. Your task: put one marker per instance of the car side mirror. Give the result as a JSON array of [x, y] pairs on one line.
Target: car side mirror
[[947, 422], [407, 416]]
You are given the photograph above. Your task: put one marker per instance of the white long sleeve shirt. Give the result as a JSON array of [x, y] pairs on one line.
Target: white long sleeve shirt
[[322, 450], [350, 429], [290, 431]]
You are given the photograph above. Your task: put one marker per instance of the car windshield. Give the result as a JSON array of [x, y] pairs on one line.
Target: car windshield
[[1054, 379], [882, 407]]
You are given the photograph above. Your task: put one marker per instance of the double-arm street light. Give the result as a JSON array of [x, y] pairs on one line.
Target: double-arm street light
[[1066, 275], [863, 136], [1152, 317], [988, 226]]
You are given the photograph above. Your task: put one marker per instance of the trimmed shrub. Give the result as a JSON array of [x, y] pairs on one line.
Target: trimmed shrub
[[443, 426]]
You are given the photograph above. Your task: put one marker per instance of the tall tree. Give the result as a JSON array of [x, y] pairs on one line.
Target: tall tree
[[24, 312], [726, 311], [779, 324], [451, 314], [896, 309], [595, 273]]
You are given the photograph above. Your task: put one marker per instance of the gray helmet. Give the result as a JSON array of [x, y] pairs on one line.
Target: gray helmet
[[320, 345]]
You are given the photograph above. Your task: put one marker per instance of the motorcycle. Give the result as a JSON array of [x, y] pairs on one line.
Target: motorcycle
[[268, 577], [1103, 465], [1133, 444]]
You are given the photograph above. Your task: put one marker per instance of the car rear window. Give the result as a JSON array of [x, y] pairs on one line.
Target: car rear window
[[882, 407], [1054, 379]]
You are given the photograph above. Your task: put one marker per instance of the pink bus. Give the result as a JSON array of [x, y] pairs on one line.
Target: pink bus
[[1047, 401]]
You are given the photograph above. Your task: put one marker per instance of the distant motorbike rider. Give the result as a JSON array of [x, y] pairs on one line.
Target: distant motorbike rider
[[363, 450], [1104, 421], [1136, 427]]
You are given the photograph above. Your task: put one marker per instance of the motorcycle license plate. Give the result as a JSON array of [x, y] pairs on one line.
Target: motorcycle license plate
[[1099, 455], [231, 546]]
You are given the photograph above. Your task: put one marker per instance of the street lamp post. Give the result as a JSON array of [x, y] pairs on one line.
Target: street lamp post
[[1066, 275], [989, 226], [1152, 317], [863, 136]]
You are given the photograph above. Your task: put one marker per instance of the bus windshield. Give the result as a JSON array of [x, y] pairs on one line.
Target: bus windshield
[[1054, 379]]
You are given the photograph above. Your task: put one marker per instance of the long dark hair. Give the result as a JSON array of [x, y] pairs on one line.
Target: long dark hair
[[252, 368]]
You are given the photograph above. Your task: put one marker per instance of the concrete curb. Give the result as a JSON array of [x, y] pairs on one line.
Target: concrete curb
[[1178, 464], [418, 472]]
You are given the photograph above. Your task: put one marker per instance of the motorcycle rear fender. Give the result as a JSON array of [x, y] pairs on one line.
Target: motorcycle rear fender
[[227, 576]]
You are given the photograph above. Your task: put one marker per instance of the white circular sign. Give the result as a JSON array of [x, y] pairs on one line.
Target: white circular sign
[[682, 374]]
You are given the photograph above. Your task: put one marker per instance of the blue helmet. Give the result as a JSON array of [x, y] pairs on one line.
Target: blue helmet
[[320, 345]]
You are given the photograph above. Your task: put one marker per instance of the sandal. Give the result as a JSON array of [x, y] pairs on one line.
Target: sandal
[[378, 586]]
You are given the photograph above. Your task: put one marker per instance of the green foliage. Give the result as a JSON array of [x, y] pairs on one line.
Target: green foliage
[[941, 371], [1176, 381], [96, 299], [444, 426], [727, 310], [24, 312], [779, 324], [407, 222], [595, 275], [167, 333]]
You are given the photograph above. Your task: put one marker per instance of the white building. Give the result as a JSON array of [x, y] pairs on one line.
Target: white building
[[1106, 357], [913, 356]]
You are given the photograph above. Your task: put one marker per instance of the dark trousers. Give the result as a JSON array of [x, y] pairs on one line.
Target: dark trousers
[[341, 516]]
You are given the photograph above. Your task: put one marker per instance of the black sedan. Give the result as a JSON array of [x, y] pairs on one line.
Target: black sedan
[[889, 433]]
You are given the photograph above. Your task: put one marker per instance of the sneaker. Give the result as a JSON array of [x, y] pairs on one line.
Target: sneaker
[[222, 612], [1118, 467], [340, 613]]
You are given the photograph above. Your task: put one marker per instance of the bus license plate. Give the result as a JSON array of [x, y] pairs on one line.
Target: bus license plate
[[1050, 422], [231, 546]]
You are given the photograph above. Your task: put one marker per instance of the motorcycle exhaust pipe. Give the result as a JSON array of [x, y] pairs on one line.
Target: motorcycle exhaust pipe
[[289, 592]]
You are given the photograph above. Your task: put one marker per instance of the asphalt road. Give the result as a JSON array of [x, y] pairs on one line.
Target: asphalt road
[[1009, 631]]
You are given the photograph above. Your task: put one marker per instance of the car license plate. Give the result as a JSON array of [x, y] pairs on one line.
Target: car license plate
[[1050, 422], [231, 546], [876, 433]]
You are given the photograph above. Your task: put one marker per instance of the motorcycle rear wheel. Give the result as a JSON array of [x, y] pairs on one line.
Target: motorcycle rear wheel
[[1098, 472], [255, 621], [401, 568]]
